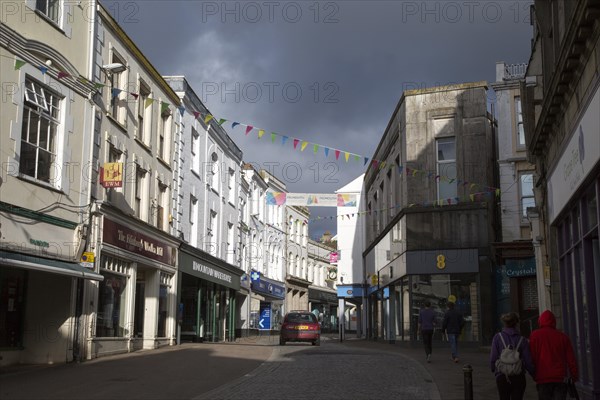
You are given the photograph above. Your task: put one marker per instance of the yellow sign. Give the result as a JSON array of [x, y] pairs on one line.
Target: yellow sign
[[112, 175], [441, 261], [374, 280], [87, 256], [452, 299]]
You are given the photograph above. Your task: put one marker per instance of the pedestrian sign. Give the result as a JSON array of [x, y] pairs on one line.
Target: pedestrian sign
[[264, 321]]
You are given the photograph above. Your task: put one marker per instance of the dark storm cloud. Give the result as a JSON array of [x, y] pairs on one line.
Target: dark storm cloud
[[325, 72]]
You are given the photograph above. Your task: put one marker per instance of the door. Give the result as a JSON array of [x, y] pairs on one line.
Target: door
[[140, 309]]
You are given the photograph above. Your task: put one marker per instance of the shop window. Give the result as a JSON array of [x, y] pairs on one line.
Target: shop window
[[162, 311], [111, 306], [195, 150], [39, 133], [12, 311]]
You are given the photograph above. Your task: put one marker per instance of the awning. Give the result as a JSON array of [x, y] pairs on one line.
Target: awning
[[19, 260]]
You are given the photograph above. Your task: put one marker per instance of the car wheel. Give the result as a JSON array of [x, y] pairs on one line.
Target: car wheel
[[281, 342]]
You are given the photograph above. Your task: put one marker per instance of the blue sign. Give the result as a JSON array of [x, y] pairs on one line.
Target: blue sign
[[264, 320], [268, 288], [255, 276], [520, 267]]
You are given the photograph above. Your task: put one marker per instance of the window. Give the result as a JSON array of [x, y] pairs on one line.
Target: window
[[160, 205], [193, 218], [144, 132], [140, 176], [446, 168], [41, 115], [195, 144], [118, 80], [111, 306], [214, 171], [526, 192], [231, 186], [520, 127], [49, 8], [164, 135], [229, 251]]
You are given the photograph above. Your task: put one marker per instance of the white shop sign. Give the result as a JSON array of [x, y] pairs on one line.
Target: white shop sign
[[579, 157]]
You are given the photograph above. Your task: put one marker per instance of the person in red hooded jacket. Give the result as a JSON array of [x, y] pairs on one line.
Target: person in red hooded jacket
[[552, 355]]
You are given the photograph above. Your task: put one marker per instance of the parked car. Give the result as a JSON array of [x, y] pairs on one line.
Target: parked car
[[300, 326]]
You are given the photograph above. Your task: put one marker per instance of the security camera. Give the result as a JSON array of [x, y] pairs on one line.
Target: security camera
[[114, 68]]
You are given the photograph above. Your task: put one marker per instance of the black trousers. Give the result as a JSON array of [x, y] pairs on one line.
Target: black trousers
[[511, 388], [427, 339], [552, 391]]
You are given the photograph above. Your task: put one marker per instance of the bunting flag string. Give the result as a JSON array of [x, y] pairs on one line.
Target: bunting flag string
[[376, 164], [473, 197]]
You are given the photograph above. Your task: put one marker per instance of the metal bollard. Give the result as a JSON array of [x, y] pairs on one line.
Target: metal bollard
[[468, 381]]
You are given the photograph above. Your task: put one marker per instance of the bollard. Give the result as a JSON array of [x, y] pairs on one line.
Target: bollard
[[468, 381]]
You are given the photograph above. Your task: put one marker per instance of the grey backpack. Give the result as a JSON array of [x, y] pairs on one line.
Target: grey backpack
[[509, 363]]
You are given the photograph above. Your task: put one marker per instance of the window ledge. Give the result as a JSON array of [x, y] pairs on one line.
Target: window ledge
[[163, 162], [50, 21], [144, 145], [37, 182], [119, 125]]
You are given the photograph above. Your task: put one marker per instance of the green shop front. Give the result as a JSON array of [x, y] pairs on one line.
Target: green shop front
[[206, 297]]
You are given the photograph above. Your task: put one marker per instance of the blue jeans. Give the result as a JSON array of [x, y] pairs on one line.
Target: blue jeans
[[453, 338]]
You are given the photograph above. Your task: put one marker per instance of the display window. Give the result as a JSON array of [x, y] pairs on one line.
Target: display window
[[12, 298], [110, 321]]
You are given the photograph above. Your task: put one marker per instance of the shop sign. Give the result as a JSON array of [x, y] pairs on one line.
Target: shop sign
[[520, 267], [578, 159], [203, 270], [547, 280], [268, 288], [111, 175], [349, 291], [135, 242], [333, 257], [264, 322]]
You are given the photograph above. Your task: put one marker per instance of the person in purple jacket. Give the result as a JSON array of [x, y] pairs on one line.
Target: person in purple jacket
[[426, 324], [513, 387]]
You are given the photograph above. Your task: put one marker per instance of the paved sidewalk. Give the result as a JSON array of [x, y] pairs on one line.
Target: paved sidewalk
[[447, 375]]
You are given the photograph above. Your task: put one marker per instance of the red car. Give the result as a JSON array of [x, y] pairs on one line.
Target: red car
[[300, 326]]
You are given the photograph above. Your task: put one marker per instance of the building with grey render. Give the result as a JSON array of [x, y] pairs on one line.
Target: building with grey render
[[207, 221], [515, 286], [562, 130], [429, 195]]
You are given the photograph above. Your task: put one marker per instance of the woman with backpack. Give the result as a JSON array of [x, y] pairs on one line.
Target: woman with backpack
[[510, 358]]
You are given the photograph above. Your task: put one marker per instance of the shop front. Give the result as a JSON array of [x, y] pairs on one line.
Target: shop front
[[267, 303], [41, 282], [207, 296], [323, 303], [135, 303], [436, 276], [574, 272]]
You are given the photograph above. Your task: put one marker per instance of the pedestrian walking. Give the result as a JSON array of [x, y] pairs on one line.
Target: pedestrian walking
[[510, 358], [426, 325], [452, 326], [554, 360]]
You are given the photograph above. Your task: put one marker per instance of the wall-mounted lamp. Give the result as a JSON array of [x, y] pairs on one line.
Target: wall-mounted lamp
[[114, 68]]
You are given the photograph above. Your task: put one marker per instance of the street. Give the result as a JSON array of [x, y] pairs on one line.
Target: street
[[258, 368]]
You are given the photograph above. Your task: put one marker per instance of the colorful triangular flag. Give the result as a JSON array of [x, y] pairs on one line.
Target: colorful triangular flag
[[261, 132], [248, 129], [207, 118], [304, 144], [62, 75], [148, 102], [296, 141], [19, 64]]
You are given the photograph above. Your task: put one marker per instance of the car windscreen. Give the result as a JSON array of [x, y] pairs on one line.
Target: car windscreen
[[301, 318]]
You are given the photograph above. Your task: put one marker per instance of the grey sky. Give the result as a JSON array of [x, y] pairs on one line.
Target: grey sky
[[326, 72]]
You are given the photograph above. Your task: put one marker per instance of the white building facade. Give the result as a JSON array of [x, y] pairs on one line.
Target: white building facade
[[46, 125], [132, 191], [208, 199]]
